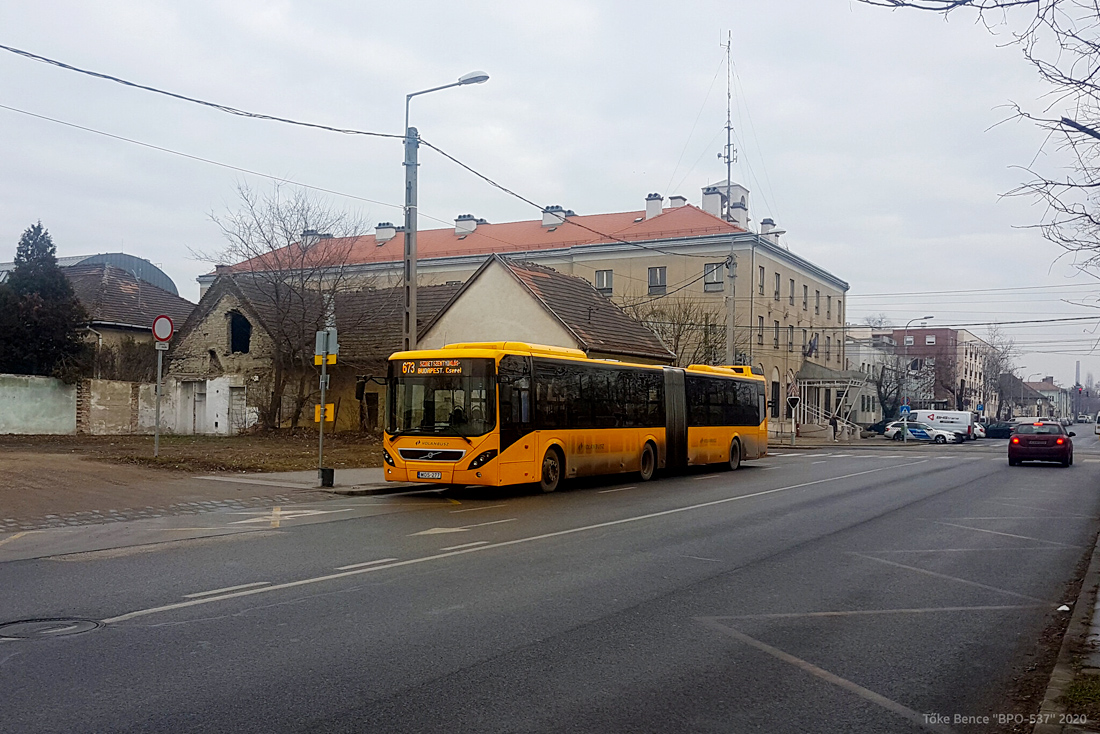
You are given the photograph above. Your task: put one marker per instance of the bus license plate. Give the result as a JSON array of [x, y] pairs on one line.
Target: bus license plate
[[429, 475]]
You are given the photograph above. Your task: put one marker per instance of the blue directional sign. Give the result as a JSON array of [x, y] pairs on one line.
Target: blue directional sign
[[904, 409], [981, 407]]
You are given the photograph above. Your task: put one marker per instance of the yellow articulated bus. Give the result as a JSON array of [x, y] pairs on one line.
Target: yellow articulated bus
[[512, 413]]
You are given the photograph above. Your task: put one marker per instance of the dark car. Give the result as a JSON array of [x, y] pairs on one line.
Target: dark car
[[879, 427], [1040, 442], [999, 430]]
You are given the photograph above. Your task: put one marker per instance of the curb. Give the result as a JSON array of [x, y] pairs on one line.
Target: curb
[[1063, 673], [365, 490]]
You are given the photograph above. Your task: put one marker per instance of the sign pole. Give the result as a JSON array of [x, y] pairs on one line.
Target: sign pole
[[156, 431], [321, 430]]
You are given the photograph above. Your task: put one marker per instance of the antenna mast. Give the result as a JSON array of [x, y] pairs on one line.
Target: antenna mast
[[729, 154]]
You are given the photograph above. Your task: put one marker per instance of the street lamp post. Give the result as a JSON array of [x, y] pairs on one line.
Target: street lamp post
[[1039, 402], [412, 143], [905, 349]]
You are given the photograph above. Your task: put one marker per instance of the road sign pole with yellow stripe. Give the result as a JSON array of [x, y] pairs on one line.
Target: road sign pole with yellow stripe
[[324, 354]]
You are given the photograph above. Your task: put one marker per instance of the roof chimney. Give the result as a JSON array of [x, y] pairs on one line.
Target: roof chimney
[[767, 227], [653, 205], [310, 237], [712, 200], [465, 224], [676, 201], [384, 232], [552, 216]]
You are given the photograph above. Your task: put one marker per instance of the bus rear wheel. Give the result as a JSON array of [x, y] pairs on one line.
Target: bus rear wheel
[[647, 464], [735, 455], [551, 470]]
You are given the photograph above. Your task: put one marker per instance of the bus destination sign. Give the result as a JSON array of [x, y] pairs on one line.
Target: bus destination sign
[[432, 367]]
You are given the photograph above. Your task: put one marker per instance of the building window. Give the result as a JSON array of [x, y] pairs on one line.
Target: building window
[[605, 281], [839, 309], [776, 286], [817, 302], [805, 341], [657, 281], [759, 329], [828, 307], [908, 341], [790, 338], [240, 333], [805, 297], [760, 285], [775, 335], [828, 347], [712, 277], [930, 339], [792, 292]]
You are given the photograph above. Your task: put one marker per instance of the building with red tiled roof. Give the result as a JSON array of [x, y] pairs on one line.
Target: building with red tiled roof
[[668, 265]]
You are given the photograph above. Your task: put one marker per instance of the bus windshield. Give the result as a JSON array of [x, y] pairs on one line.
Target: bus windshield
[[451, 397]]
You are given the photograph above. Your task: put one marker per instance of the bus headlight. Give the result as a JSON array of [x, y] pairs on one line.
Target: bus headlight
[[387, 458], [482, 459]]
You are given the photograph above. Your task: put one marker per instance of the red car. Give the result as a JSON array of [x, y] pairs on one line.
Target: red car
[[1040, 441]]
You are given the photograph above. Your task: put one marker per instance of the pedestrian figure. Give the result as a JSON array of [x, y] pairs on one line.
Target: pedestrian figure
[[832, 427]]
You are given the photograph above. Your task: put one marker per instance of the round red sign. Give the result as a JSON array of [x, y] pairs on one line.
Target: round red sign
[[162, 328]]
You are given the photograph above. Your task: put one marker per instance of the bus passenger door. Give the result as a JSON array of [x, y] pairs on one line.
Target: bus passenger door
[[517, 439]]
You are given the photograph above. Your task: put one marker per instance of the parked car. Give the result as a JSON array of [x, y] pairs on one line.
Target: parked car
[[921, 432], [979, 430], [1000, 429], [879, 427], [1044, 441]]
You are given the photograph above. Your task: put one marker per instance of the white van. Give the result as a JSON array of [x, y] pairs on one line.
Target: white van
[[959, 421], [1096, 424]]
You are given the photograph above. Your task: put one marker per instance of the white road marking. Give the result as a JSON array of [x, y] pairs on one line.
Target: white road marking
[[464, 545], [973, 550], [616, 489], [476, 509], [502, 544], [464, 528], [817, 462], [276, 515], [1007, 535], [706, 476], [863, 612], [364, 563], [227, 588], [934, 574], [1032, 507], [865, 693], [1092, 461]]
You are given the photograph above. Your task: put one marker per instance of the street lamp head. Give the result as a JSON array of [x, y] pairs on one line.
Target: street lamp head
[[474, 77], [927, 317]]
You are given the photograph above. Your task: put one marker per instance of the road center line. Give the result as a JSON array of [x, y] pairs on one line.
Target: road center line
[[863, 612], [364, 563], [502, 544], [865, 693], [464, 545], [227, 588]]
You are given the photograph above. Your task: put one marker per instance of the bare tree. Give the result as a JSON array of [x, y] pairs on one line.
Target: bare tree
[[293, 251], [997, 360], [693, 330], [878, 321], [1061, 39]]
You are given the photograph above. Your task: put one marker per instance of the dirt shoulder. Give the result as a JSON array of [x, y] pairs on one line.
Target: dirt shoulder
[[60, 475]]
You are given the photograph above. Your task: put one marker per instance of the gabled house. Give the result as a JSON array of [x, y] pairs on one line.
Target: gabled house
[[119, 304], [506, 300]]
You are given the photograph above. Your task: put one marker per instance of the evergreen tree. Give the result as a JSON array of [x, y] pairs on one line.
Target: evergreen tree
[[40, 317]]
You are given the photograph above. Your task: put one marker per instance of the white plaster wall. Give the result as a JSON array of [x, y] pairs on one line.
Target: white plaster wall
[[36, 405], [497, 308], [109, 407]]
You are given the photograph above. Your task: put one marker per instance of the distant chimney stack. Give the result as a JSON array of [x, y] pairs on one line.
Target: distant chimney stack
[[767, 227], [552, 216], [465, 224], [676, 201], [712, 200], [384, 232], [653, 205], [310, 237]]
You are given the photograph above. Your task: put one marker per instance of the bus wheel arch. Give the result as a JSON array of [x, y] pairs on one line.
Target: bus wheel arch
[[647, 461], [735, 454], [552, 469]]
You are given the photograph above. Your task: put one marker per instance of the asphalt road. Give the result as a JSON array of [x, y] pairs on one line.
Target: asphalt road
[[854, 590]]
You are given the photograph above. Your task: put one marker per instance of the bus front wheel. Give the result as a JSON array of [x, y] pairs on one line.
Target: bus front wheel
[[735, 455], [551, 470], [647, 464]]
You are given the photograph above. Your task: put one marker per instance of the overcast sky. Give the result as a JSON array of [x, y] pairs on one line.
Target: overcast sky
[[868, 135]]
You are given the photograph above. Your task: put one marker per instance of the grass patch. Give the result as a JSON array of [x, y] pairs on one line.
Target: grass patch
[[256, 452], [1082, 696]]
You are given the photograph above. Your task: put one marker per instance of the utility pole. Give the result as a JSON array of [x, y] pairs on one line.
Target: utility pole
[[729, 155], [412, 142], [731, 329]]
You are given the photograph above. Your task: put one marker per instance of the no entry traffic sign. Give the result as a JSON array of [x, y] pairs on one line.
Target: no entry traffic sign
[[162, 328]]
